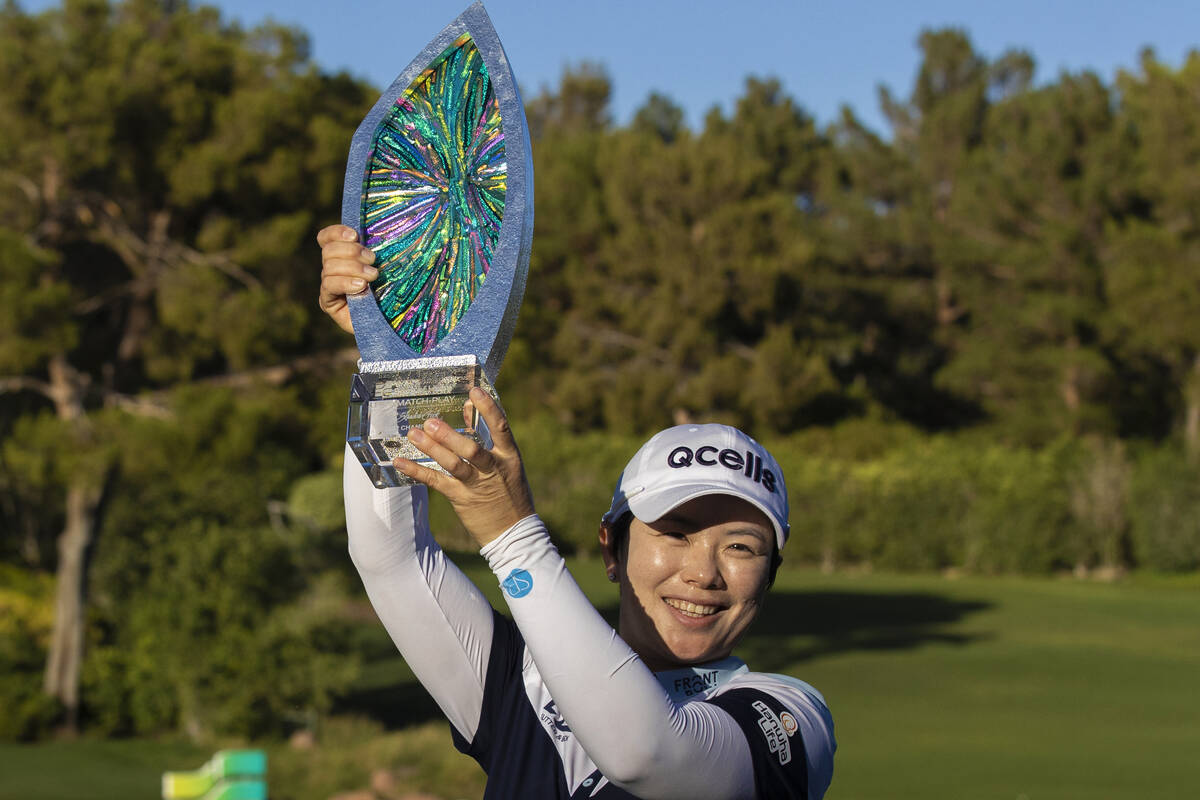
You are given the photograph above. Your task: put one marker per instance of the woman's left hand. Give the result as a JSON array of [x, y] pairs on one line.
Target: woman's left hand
[[487, 488]]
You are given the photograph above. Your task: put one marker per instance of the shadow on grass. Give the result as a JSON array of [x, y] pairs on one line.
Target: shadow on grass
[[793, 627], [800, 626]]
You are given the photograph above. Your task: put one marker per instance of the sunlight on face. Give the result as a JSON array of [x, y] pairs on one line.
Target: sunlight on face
[[693, 581]]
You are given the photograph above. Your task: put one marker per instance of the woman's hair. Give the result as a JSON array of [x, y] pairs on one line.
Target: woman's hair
[[618, 537]]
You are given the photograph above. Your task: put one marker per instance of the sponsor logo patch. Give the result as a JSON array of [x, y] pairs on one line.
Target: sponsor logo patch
[[556, 726], [774, 731], [518, 583]]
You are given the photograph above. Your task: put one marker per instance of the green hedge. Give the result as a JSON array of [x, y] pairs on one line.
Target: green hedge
[[883, 496], [1164, 506]]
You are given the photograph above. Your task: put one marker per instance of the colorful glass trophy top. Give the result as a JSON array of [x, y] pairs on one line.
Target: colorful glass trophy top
[[440, 186], [433, 197]]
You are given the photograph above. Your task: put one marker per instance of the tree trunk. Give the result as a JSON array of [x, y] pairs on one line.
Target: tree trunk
[[66, 645], [84, 494]]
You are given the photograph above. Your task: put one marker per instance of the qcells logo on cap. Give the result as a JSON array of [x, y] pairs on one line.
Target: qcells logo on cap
[[749, 465], [518, 583]]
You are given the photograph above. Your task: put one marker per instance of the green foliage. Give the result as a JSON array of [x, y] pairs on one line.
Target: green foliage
[[1165, 510], [37, 321], [573, 477], [224, 635], [354, 754], [937, 504], [316, 500], [26, 615]]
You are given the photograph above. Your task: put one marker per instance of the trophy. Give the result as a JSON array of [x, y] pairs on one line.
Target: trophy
[[439, 185]]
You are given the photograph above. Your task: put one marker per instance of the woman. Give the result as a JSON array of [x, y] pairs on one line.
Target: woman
[[554, 703]]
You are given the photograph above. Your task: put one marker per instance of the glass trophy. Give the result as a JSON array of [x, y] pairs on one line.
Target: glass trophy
[[440, 186]]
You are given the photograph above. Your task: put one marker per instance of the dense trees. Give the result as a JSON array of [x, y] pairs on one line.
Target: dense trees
[[152, 231], [973, 339]]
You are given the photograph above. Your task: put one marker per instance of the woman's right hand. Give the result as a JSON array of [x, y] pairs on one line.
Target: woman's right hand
[[345, 270]]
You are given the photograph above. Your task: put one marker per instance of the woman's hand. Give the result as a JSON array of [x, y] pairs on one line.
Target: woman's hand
[[487, 488], [345, 270]]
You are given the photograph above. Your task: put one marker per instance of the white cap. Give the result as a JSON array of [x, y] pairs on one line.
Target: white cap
[[690, 461]]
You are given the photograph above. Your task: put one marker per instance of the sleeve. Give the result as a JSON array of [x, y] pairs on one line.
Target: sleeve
[[790, 733], [439, 620], [638, 737]]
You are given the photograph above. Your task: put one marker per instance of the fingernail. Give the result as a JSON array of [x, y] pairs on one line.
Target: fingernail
[[370, 254], [358, 285], [371, 272], [349, 235], [415, 434], [432, 425]]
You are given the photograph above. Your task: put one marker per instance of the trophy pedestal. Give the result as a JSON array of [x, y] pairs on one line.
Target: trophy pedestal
[[387, 398]]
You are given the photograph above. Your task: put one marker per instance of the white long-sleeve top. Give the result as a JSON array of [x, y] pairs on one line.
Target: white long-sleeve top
[[557, 704]]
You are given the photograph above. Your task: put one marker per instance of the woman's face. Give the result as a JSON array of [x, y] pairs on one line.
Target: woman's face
[[693, 581]]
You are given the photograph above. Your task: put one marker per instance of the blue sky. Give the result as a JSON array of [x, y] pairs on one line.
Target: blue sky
[[699, 52]]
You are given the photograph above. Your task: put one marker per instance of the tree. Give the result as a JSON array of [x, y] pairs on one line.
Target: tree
[[164, 169], [568, 127], [1152, 264], [1023, 237], [703, 250]]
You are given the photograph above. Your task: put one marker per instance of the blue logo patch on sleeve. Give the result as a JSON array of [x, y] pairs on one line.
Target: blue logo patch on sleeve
[[518, 583]]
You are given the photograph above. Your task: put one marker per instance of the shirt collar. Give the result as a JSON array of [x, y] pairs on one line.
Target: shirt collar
[[689, 682]]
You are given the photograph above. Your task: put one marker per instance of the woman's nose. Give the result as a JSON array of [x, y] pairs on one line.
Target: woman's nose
[[700, 567]]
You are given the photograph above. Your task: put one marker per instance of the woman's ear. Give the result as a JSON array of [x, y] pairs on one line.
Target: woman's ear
[[608, 551]]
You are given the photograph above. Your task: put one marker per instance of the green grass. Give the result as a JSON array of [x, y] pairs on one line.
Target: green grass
[[973, 688], [1000, 688], [93, 768]]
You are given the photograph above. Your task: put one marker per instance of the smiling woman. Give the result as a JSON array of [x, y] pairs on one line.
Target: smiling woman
[[554, 703], [693, 580]]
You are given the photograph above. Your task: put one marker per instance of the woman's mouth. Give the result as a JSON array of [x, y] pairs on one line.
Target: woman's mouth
[[690, 609]]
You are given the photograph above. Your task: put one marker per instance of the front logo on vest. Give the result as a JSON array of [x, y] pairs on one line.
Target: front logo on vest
[[750, 465], [774, 731], [518, 583]]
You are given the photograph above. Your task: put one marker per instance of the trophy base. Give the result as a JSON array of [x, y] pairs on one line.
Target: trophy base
[[388, 398]]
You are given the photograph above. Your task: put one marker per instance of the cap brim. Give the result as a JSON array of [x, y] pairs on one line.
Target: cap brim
[[653, 505]]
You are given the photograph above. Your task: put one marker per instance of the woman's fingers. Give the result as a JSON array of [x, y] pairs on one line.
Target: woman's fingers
[[469, 416], [337, 287], [421, 474], [346, 269], [463, 447], [352, 252], [497, 422], [333, 233], [445, 457], [348, 266]]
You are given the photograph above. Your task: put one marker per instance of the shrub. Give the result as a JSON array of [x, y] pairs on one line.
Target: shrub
[[225, 636], [26, 619], [1165, 510]]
